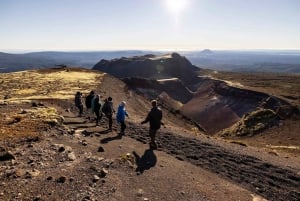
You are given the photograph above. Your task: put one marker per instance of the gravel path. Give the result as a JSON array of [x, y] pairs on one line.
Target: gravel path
[[266, 179]]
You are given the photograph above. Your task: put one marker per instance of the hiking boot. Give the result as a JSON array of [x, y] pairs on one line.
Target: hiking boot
[[153, 145]]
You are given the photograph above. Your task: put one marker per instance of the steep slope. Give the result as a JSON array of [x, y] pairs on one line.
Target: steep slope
[[216, 105]]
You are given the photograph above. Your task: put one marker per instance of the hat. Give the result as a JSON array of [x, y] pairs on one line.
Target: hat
[[123, 103]]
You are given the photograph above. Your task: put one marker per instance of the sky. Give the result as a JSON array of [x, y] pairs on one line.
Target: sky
[[83, 25]]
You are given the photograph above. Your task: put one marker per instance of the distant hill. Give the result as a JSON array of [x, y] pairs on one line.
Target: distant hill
[[33, 60], [239, 61], [250, 61], [16, 62]]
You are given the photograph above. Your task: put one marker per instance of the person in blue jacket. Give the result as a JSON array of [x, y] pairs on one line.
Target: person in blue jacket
[[121, 114]]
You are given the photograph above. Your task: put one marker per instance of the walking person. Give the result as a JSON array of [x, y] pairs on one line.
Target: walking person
[[121, 114], [88, 104], [108, 110], [97, 108], [154, 117], [78, 103]]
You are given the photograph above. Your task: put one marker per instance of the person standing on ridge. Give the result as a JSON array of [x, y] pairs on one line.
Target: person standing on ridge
[[88, 104], [108, 110], [78, 102], [97, 108], [121, 114], [154, 117]]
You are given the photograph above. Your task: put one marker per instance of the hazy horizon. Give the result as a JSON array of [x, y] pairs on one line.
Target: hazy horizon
[[153, 50], [157, 25]]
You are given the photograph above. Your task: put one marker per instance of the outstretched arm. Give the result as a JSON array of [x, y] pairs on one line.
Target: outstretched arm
[[147, 119]]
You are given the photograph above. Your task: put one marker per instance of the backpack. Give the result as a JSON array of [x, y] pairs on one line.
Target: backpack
[[106, 108], [97, 104]]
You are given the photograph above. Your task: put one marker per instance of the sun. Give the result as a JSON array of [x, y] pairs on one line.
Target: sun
[[176, 6]]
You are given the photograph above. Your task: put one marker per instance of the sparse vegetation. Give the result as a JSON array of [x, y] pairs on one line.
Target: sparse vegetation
[[251, 123]]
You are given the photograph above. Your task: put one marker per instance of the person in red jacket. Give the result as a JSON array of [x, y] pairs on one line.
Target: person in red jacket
[[154, 117]]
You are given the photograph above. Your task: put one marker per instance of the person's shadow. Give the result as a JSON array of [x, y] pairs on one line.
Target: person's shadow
[[108, 139], [146, 161]]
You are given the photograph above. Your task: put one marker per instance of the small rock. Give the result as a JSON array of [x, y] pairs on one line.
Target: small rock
[[100, 149], [84, 143], [20, 172], [140, 192], [6, 155], [61, 179], [49, 178], [68, 149], [38, 198], [33, 173], [103, 172], [71, 156], [146, 199], [71, 131], [96, 178], [61, 149]]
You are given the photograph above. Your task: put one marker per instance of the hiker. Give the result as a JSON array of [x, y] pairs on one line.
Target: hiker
[[96, 108], [78, 102], [88, 104], [121, 114], [108, 110], [154, 117]]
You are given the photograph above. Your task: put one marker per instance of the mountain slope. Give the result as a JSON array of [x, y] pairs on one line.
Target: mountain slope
[[72, 159]]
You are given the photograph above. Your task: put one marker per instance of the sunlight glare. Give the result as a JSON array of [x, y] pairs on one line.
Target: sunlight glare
[[176, 6]]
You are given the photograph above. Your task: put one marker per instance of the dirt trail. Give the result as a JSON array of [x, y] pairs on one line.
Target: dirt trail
[[258, 176], [263, 178]]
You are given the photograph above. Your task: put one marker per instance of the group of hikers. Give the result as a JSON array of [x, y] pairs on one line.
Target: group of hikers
[[94, 107]]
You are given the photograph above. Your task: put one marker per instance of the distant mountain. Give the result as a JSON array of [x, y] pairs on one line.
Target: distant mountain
[[17, 62], [250, 61], [150, 66], [206, 51]]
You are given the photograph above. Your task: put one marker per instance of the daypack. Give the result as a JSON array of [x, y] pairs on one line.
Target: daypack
[[106, 108], [97, 104]]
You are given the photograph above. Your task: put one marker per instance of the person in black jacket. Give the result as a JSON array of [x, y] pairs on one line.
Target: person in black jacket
[[97, 108], [154, 117], [78, 103], [108, 110], [88, 104]]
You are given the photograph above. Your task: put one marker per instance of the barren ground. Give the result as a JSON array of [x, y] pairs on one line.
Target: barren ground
[[77, 161]]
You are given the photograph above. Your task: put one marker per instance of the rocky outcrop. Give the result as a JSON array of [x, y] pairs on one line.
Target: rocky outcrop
[[150, 66]]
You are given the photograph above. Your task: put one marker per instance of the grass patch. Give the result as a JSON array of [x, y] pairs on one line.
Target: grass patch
[[16, 124]]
